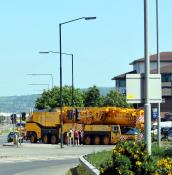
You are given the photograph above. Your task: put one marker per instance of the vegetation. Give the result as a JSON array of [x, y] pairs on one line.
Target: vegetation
[[87, 98], [131, 158], [15, 104], [79, 170], [115, 98], [99, 158], [51, 98], [92, 97]]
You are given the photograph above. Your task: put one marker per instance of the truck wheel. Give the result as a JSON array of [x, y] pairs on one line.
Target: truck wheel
[[53, 139], [106, 140], [45, 139], [87, 140], [33, 138], [65, 138], [97, 140]]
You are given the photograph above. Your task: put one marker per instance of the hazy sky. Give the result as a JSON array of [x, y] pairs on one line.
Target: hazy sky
[[102, 48]]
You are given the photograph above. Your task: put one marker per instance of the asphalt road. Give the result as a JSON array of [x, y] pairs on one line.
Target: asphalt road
[[44, 159], [3, 138], [49, 167]]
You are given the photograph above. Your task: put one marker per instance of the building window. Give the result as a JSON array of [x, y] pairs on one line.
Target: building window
[[166, 77], [120, 83]]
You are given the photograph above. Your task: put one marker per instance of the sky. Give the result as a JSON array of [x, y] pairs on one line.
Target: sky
[[102, 48]]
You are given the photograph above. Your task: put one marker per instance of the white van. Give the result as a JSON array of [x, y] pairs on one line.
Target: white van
[[164, 124]]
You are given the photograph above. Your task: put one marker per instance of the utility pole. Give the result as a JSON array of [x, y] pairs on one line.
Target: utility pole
[[147, 106], [158, 71]]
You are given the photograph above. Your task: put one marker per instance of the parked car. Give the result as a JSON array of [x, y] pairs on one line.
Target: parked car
[[164, 131], [12, 136], [133, 131]]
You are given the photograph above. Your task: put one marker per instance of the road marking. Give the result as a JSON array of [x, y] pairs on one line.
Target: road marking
[[31, 159]]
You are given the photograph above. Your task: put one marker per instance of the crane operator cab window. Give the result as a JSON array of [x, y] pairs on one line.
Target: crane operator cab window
[[115, 129]]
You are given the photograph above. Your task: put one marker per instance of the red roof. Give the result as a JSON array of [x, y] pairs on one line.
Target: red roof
[[164, 57]]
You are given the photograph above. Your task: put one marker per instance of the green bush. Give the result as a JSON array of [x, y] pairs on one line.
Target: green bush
[[131, 158]]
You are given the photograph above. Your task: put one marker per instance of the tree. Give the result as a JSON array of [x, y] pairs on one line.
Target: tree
[[115, 98], [92, 97], [51, 98]]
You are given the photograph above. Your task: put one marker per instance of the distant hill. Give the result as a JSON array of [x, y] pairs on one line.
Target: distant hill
[[105, 90], [17, 103], [26, 102]]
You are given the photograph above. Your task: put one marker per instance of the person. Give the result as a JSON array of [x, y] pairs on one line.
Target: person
[[70, 136], [67, 138], [77, 137], [80, 137]]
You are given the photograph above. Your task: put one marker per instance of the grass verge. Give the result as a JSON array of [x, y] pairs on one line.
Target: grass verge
[[99, 158]]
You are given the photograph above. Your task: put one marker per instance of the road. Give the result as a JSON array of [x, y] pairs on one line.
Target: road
[[34, 159], [47, 167], [3, 138]]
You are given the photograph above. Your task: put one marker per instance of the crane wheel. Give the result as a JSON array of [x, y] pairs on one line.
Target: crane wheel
[[97, 140], [53, 139], [45, 139], [106, 140], [33, 138], [87, 140], [65, 138]]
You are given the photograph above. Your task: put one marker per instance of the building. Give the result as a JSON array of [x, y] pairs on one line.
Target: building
[[166, 76]]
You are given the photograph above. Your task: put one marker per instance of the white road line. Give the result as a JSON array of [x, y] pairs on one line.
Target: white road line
[[31, 159]]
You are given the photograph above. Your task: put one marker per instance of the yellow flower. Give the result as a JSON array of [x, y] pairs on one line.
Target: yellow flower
[[138, 163]]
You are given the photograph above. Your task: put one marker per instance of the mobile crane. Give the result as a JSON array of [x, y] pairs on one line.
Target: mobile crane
[[101, 125]]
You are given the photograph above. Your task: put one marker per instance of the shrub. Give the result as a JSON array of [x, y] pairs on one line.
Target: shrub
[[164, 166], [131, 158]]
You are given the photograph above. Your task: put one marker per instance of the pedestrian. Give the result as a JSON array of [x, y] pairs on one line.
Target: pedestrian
[[70, 137], [79, 135], [67, 138], [76, 137]]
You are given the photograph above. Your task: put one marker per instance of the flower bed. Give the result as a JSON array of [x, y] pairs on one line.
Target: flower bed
[[131, 158]]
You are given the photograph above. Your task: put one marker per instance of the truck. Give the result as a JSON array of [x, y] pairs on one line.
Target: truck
[[103, 125], [110, 125]]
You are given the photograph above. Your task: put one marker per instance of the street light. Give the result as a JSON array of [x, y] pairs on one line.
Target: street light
[[60, 46], [72, 103], [45, 75], [47, 52], [158, 70]]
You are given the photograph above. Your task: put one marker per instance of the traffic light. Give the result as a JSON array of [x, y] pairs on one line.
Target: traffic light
[[13, 118], [23, 116], [77, 114], [69, 114]]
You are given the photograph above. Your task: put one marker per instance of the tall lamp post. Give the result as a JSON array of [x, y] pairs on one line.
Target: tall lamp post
[[60, 46], [72, 102], [158, 70], [60, 52], [51, 75]]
